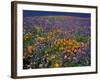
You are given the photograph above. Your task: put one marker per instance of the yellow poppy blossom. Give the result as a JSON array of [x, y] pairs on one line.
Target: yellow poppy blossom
[[56, 65]]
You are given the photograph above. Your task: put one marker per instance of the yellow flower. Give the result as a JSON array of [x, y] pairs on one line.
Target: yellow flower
[[69, 58], [69, 50], [56, 31], [61, 48], [72, 48], [75, 50], [56, 65], [55, 42], [50, 35], [37, 28], [58, 43], [40, 39], [26, 37]]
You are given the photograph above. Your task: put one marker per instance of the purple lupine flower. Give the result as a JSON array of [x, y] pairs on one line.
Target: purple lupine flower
[[71, 57], [85, 54], [33, 58], [62, 58], [78, 56], [79, 52]]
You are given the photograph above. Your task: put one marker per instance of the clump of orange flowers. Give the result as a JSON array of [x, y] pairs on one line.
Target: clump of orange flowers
[[68, 45], [65, 42]]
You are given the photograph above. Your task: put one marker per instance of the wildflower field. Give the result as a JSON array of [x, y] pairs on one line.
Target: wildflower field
[[56, 41]]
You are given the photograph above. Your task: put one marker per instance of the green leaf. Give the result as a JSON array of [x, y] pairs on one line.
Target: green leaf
[[37, 28]]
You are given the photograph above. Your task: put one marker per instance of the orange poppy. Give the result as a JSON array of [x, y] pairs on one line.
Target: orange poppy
[[29, 47]]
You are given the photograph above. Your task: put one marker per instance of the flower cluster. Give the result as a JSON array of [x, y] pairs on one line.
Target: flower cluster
[[49, 47]]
